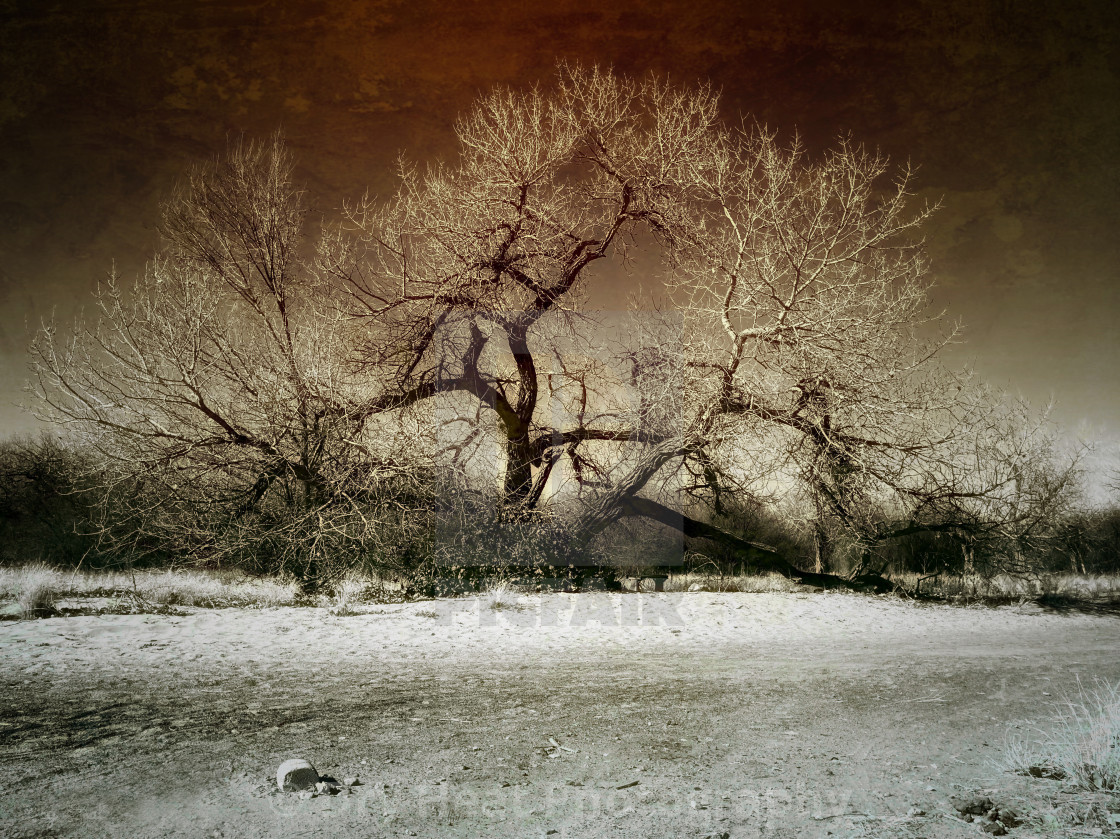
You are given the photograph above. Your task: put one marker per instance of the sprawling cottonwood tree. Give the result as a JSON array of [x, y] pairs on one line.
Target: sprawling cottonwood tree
[[236, 371]]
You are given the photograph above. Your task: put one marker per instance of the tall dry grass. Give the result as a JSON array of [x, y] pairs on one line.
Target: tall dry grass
[[1007, 586], [39, 588], [32, 589], [748, 583], [1083, 745]]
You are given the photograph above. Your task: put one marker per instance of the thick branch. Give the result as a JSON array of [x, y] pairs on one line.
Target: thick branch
[[754, 554]]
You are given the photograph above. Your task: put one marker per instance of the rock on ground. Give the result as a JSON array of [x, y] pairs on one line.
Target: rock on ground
[[296, 775]]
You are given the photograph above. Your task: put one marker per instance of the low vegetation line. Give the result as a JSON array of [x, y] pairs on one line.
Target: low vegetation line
[[41, 591]]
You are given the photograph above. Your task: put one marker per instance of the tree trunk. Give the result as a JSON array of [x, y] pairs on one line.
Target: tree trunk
[[758, 556], [622, 500], [609, 506], [820, 547], [518, 479]]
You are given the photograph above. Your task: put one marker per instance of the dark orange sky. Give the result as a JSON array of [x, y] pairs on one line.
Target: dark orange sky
[[1011, 111]]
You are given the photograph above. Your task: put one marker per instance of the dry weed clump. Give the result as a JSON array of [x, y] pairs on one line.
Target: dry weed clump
[[501, 595], [1083, 748], [347, 594], [214, 589], [197, 588]]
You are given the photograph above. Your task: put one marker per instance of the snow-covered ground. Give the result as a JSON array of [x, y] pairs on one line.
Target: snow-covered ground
[[682, 714]]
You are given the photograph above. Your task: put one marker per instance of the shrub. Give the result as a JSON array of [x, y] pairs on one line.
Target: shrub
[[44, 512], [749, 519]]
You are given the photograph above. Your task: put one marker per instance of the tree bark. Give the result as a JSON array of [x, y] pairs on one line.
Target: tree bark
[[609, 506]]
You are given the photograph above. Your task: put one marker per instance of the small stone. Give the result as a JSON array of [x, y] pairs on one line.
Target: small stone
[[994, 829], [296, 775], [1051, 772], [1010, 817], [351, 782], [307, 794], [972, 806]]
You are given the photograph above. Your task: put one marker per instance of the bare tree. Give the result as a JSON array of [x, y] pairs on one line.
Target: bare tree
[[215, 390], [806, 333], [795, 354], [471, 271]]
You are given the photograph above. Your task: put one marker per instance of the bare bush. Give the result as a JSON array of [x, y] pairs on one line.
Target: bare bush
[[501, 596], [46, 509], [215, 391]]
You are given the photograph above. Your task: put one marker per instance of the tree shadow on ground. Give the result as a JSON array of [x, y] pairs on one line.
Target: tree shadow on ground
[[1065, 604]]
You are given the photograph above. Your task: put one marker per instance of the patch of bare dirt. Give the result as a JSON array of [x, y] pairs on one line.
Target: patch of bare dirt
[[675, 715]]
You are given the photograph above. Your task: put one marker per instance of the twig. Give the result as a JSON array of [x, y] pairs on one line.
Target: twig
[[842, 815]]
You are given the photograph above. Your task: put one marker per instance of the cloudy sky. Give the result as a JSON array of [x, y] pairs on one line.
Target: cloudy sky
[[1010, 109]]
